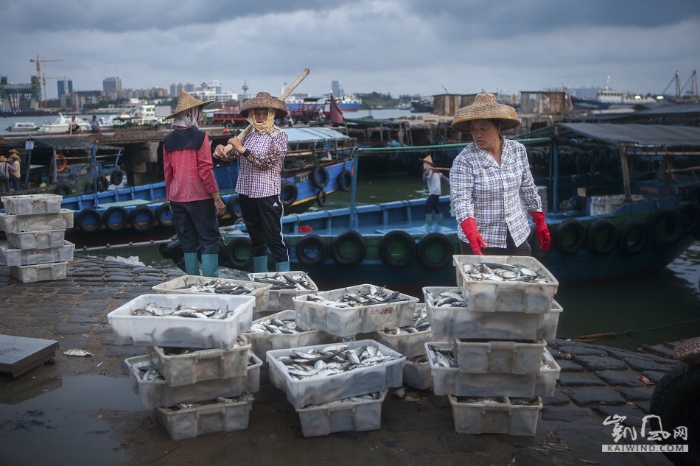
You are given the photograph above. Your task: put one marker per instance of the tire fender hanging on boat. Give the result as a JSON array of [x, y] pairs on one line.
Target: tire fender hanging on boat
[[312, 243], [234, 207], [602, 237], [633, 237], [115, 218], [345, 180], [64, 189], [102, 183], [320, 177], [239, 253], [116, 177], [435, 251], [666, 225], [349, 248], [537, 253], [142, 218], [568, 229], [321, 198], [164, 216], [397, 248], [288, 193], [89, 220]]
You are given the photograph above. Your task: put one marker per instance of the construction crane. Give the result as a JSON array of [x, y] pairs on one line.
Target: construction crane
[[39, 76]]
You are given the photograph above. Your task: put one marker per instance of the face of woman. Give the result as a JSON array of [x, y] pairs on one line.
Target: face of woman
[[260, 114], [484, 133]]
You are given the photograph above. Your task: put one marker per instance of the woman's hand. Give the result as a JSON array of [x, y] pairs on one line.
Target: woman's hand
[[220, 152], [220, 207], [237, 144]]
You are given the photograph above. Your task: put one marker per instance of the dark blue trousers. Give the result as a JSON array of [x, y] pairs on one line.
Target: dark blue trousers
[[197, 225], [263, 219]]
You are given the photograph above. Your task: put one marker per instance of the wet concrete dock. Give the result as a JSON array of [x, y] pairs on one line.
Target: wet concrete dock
[[81, 410]]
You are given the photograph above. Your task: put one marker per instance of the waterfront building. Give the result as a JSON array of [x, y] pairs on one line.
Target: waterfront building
[[64, 86]]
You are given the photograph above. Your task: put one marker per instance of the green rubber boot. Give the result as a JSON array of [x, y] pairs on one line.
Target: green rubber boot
[[191, 263], [210, 265], [282, 266], [428, 222], [259, 264], [440, 221]]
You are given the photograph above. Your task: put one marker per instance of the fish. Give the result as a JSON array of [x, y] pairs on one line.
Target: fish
[[420, 323], [446, 299], [490, 271], [443, 357], [288, 281], [77, 352], [366, 295], [151, 309]]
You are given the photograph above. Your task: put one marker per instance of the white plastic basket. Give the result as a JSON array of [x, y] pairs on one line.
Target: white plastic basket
[[52, 221], [341, 416], [30, 204], [503, 417], [14, 257], [36, 239], [206, 419], [279, 300], [39, 272]]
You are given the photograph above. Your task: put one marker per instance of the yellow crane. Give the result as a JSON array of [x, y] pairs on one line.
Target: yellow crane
[[39, 76]]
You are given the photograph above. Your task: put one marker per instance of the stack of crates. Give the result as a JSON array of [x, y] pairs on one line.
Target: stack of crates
[[35, 227], [200, 374], [495, 367]]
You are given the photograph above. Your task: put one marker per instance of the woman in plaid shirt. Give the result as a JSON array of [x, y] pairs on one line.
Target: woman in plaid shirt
[[490, 180]]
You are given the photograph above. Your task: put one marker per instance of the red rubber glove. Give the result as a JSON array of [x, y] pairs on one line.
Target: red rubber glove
[[472, 232], [541, 229]]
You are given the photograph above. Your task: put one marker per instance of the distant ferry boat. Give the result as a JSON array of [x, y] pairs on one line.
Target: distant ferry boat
[[606, 97], [346, 102]]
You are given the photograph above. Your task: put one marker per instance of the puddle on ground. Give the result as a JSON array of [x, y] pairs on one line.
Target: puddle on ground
[[44, 419]]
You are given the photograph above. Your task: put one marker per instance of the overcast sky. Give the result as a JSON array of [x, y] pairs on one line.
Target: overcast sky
[[396, 46]]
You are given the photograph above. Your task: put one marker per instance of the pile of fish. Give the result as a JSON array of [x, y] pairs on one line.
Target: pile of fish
[[420, 323], [533, 401], [490, 271], [331, 360], [444, 357], [172, 351], [148, 371], [420, 359], [277, 326], [153, 309], [445, 298], [219, 399], [287, 281], [218, 287], [367, 397], [365, 296]]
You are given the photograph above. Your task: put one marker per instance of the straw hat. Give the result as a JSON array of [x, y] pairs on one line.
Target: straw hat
[[14, 155], [3, 158], [485, 106], [428, 159], [13, 151], [265, 100], [185, 102]]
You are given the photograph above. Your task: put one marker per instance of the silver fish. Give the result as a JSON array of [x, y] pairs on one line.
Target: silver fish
[[77, 352]]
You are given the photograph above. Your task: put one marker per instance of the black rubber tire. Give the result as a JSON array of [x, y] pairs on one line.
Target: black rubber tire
[[601, 238], [102, 183], [64, 189], [233, 251], [115, 218], [388, 250], [666, 226], [89, 188], [357, 242], [691, 212], [164, 217], [428, 242], [116, 177], [288, 193], [320, 177], [234, 207], [314, 243], [345, 180], [537, 253], [676, 400], [564, 231], [136, 219], [89, 220], [171, 250], [321, 198], [633, 237]]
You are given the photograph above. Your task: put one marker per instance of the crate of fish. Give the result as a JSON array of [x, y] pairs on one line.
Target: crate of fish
[[185, 366], [182, 320], [448, 379], [416, 372], [222, 414], [61, 220], [354, 414], [357, 309], [187, 284], [505, 283], [280, 331], [409, 340], [495, 415], [511, 357], [319, 374], [149, 383], [36, 239], [31, 204], [14, 257], [285, 286], [39, 272]]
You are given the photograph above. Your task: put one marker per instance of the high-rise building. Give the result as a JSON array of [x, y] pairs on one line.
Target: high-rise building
[[112, 84], [335, 88], [65, 86]]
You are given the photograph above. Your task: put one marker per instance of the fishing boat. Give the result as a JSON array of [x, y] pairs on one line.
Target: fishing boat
[[60, 125], [22, 127]]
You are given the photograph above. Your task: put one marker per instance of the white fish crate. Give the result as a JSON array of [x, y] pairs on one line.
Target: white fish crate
[[204, 364], [281, 299], [320, 390], [261, 291], [36, 239], [157, 393], [511, 357], [205, 419], [347, 322], [506, 296], [39, 272], [54, 221], [506, 416], [408, 344], [182, 332], [31, 204], [14, 257], [452, 381], [261, 343], [342, 416], [417, 374]]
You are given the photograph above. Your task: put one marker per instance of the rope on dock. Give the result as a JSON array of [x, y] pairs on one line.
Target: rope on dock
[[628, 333]]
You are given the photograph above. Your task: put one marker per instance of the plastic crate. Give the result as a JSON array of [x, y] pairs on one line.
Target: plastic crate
[[499, 356], [320, 390], [14, 257], [30, 204], [39, 272], [261, 290], [54, 221], [280, 300], [502, 417], [182, 332], [452, 381], [348, 322], [157, 393], [342, 416], [417, 375], [206, 364], [261, 343], [506, 296], [36, 239], [205, 419], [408, 344]]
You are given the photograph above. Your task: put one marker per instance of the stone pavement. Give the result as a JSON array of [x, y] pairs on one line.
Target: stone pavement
[[595, 382]]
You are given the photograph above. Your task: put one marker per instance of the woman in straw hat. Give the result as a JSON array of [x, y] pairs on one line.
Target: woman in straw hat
[[433, 176], [191, 188], [261, 153], [16, 175], [489, 180]]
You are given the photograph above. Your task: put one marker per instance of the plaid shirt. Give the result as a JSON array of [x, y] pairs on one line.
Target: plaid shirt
[[492, 194], [259, 173]]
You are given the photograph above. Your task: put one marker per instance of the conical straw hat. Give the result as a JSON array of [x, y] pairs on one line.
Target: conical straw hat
[[264, 100], [3, 158], [485, 107], [428, 159], [185, 102]]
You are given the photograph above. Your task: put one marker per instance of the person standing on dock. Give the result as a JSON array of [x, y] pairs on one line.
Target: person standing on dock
[[434, 177], [16, 170], [191, 187], [490, 181], [261, 153], [5, 172]]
